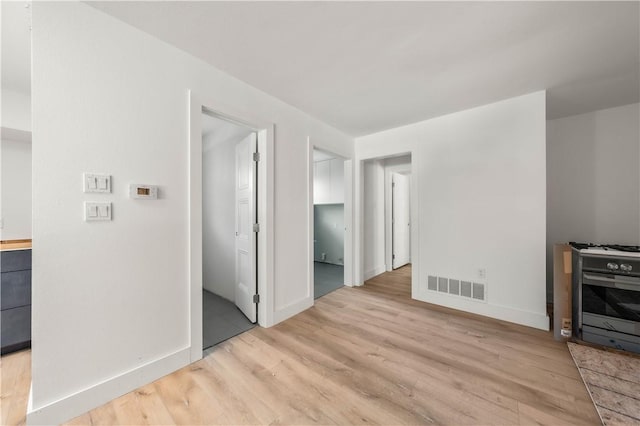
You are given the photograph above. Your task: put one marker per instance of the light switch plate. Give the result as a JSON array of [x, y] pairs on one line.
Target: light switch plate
[[93, 183], [97, 212]]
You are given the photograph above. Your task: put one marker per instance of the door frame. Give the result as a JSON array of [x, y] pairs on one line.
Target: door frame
[[265, 205], [348, 215], [387, 151], [388, 209]]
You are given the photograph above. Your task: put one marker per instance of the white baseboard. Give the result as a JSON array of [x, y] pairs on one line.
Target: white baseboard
[[79, 403], [375, 271], [504, 313], [291, 309]]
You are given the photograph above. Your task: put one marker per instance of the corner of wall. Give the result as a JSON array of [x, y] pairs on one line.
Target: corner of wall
[[76, 404]]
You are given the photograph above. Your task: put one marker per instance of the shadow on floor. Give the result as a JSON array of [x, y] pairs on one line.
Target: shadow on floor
[[326, 278], [221, 320]]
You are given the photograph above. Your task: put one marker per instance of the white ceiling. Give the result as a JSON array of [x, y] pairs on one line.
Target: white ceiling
[[16, 46], [369, 66]]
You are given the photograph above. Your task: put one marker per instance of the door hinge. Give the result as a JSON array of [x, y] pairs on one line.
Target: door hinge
[[393, 256], [256, 298], [256, 227], [256, 156], [393, 184]]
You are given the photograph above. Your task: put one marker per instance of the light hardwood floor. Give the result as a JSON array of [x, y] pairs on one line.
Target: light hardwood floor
[[360, 355]]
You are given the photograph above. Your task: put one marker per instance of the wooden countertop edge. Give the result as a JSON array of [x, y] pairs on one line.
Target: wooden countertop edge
[[15, 244]]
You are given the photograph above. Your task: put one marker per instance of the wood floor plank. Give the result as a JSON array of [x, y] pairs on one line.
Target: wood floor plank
[[103, 415], [352, 405], [482, 359], [82, 420], [367, 355], [185, 400], [15, 375]]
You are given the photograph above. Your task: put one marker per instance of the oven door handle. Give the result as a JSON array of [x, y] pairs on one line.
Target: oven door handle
[[621, 283]]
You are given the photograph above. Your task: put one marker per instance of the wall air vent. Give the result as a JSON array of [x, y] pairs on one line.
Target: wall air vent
[[456, 287], [466, 289], [443, 284], [478, 291], [432, 283]]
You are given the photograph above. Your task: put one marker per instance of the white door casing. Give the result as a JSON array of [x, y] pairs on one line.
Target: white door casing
[[401, 214], [348, 223], [245, 250]]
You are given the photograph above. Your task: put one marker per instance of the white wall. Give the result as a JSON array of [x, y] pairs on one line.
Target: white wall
[[16, 110], [479, 198], [121, 101], [373, 219], [328, 181], [16, 190], [218, 217], [593, 179], [328, 199]]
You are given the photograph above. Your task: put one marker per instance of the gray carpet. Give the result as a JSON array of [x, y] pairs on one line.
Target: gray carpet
[[221, 320], [327, 278]]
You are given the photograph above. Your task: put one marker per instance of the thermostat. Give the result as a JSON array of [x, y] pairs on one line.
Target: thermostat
[[143, 192]]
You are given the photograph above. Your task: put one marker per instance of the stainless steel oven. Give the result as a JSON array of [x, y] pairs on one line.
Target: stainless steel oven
[[609, 299]]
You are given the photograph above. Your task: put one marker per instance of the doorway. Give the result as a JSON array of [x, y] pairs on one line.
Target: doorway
[[199, 103], [400, 220], [229, 241], [329, 228], [386, 216]]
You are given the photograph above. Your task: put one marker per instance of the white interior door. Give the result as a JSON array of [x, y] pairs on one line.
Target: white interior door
[[400, 210], [246, 278]]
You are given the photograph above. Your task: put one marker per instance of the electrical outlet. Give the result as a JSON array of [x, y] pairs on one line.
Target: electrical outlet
[[482, 273]]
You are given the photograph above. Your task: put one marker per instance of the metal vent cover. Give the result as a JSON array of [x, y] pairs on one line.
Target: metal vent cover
[[432, 283], [478, 291], [466, 289], [443, 284], [456, 287]]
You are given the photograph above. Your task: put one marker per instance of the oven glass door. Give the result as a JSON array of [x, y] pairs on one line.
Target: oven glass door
[[608, 296]]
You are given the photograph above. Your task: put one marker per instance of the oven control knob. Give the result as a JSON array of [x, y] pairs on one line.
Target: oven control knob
[[626, 267], [612, 266]]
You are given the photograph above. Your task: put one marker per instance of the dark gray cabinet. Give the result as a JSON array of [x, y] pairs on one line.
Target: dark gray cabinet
[[15, 298]]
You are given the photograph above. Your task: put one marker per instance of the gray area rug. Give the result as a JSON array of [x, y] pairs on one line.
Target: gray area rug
[[613, 381]]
